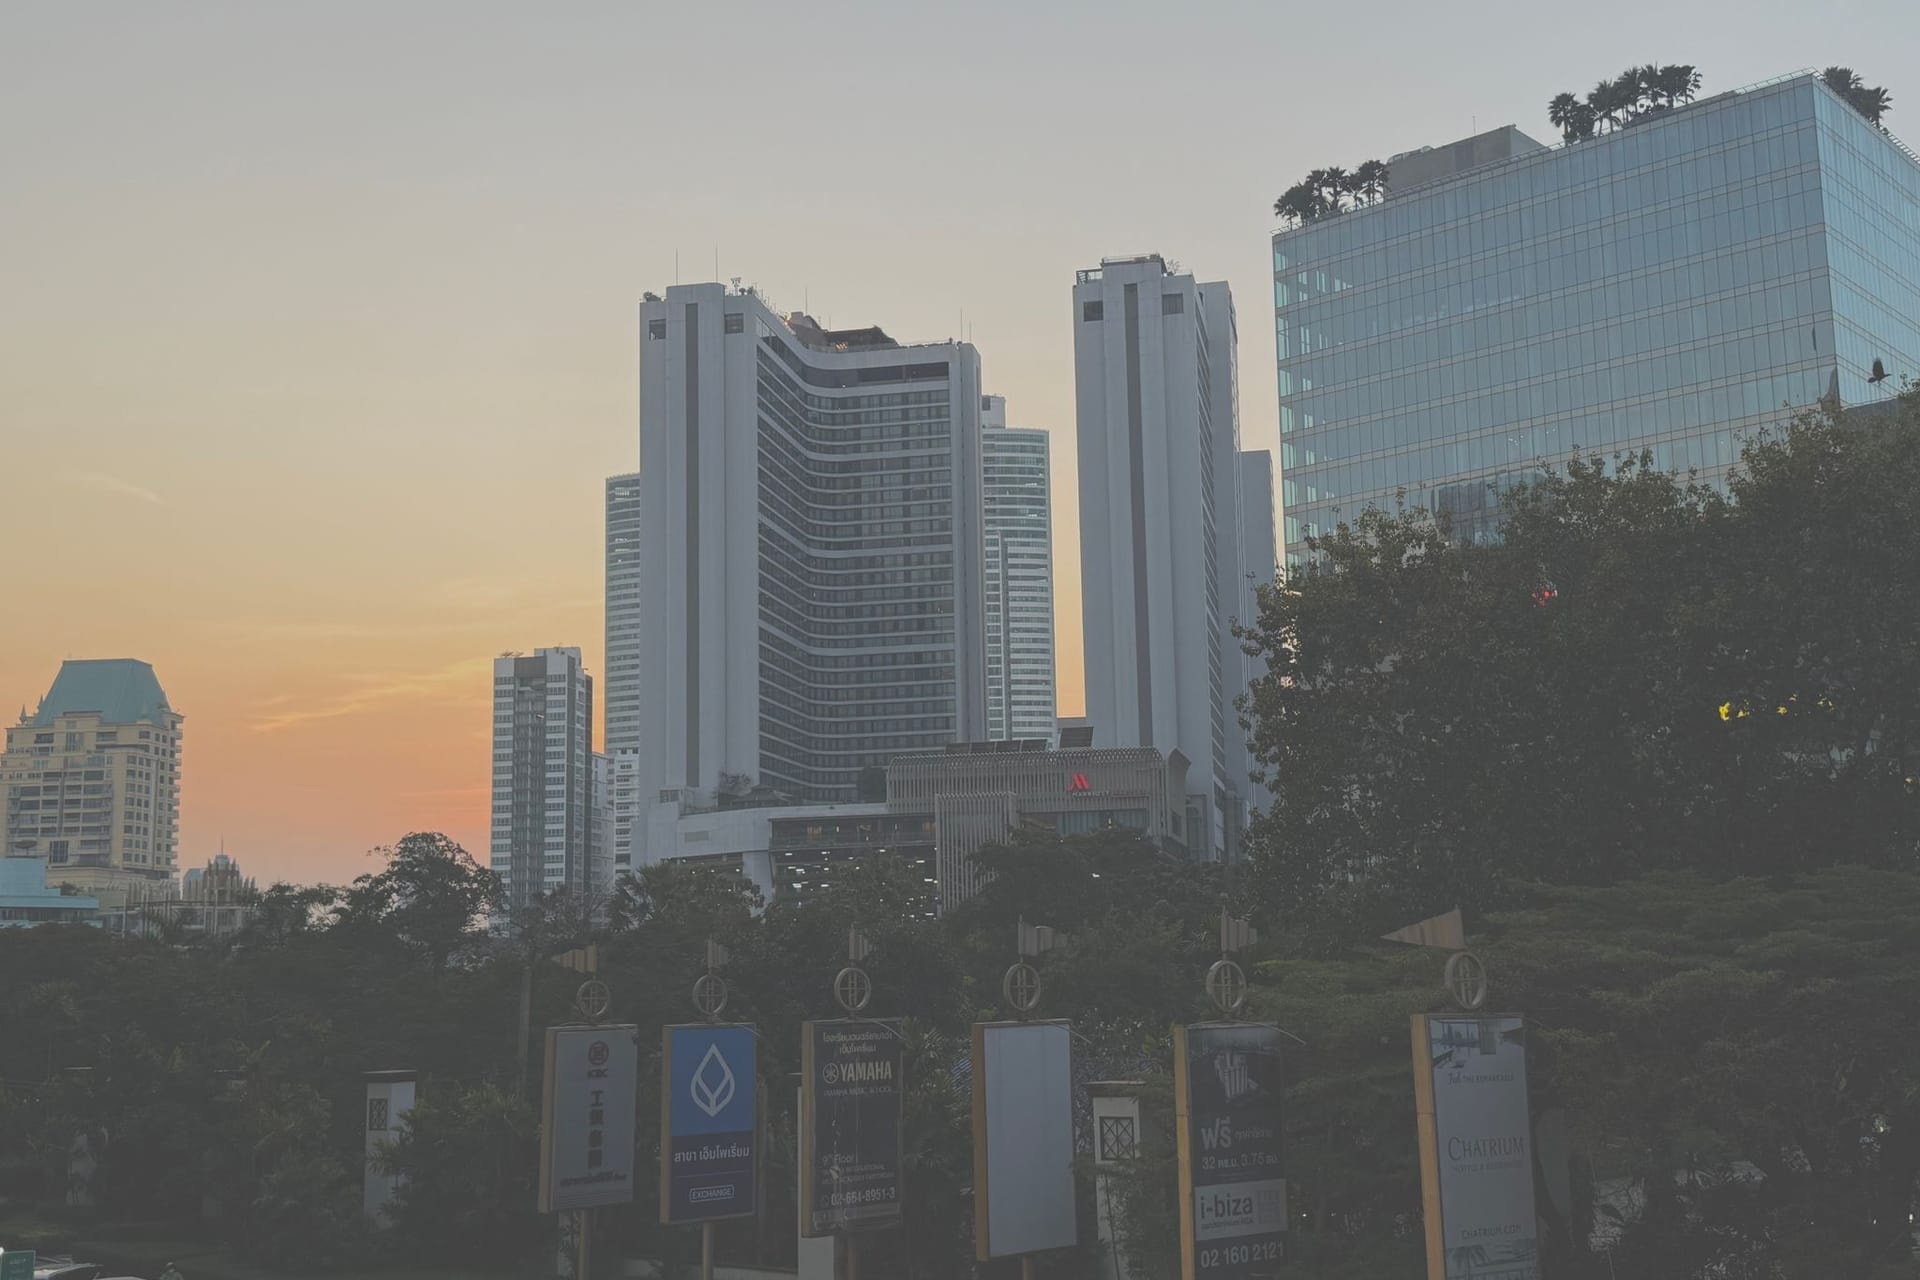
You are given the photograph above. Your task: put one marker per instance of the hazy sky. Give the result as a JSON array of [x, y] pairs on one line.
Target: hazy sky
[[317, 321]]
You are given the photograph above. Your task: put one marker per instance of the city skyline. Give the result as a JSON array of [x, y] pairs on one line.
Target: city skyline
[[292, 359]]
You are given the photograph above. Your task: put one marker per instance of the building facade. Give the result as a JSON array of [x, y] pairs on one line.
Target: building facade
[[91, 781], [1019, 576], [810, 550], [542, 774], [1666, 287], [1161, 565], [939, 810], [29, 895], [620, 681]]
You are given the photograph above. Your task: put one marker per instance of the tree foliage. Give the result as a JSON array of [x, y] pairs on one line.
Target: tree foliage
[[1634, 94], [1640, 674]]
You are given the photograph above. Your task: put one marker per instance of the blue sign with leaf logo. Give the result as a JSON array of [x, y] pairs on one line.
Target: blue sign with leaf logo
[[710, 1152]]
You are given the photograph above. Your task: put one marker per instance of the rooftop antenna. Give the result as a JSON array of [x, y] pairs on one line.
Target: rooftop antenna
[[676, 266]]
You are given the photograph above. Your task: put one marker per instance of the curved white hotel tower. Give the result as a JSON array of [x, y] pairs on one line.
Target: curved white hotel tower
[[810, 551]]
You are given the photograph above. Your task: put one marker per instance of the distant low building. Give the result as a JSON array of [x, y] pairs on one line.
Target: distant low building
[[940, 808], [26, 899]]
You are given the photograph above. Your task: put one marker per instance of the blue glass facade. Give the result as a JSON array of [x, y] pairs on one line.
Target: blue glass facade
[[1669, 286]]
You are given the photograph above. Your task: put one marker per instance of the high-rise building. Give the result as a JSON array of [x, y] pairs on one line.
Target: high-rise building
[[600, 865], [91, 781], [620, 681], [810, 550], [1667, 286], [542, 774], [1019, 576], [1161, 473], [1259, 566]]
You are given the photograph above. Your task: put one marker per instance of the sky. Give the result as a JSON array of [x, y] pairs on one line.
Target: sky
[[317, 322]]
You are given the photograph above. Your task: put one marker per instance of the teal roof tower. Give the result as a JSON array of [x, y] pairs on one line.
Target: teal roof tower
[[121, 690]]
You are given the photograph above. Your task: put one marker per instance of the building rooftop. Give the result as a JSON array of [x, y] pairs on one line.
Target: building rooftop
[[120, 690], [808, 330]]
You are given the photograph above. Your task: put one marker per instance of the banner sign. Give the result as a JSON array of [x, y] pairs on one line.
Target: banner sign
[[586, 1117], [1476, 1147], [850, 1124], [1233, 1195], [709, 1128], [1023, 1185]]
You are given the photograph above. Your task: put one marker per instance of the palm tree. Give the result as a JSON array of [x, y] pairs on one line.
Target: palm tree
[[1571, 116], [1609, 102], [1643, 87], [1336, 183], [1678, 82], [1370, 182], [1869, 100], [1841, 80], [1872, 102], [1296, 204]]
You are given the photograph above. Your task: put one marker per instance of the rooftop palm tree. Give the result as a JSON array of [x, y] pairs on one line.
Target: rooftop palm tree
[[1679, 82], [1610, 103], [1336, 183], [1574, 118], [1642, 85], [1869, 100], [1370, 182]]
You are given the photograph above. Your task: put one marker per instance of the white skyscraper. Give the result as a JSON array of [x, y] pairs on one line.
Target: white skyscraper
[[1162, 572], [810, 550], [1019, 576], [542, 774], [621, 679]]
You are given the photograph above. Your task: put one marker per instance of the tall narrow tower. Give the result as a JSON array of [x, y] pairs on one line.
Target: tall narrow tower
[[1019, 576]]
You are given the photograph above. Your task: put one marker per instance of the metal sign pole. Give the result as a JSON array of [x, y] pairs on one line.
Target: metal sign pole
[[582, 1226], [706, 1251]]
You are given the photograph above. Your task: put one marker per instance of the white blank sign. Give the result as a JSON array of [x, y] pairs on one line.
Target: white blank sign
[[1023, 1128]]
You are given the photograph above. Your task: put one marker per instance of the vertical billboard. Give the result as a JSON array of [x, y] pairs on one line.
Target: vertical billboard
[[709, 1123], [1023, 1190], [1476, 1147], [1233, 1193], [850, 1124], [586, 1117]]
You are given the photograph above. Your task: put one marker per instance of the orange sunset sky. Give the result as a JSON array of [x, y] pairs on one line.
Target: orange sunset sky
[[317, 323]]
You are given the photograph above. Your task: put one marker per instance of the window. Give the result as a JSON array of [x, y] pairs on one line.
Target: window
[[376, 1115], [1116, 1137], [656, 328], [1172, 304], [736, 322], [1093, 311]]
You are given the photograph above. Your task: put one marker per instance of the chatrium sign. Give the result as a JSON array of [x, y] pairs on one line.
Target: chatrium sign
[[1476, 1147], [710, 1139]]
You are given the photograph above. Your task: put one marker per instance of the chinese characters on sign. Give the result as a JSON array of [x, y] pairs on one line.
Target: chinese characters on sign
[[709, 1152], [586, 1132], [1233, 1212], [850, 1124]]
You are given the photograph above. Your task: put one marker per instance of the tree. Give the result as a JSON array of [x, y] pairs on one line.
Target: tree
[[1870, 101], [1370, 182], [1677, 83], [431, 896], [1641, 674], [1574, 118]]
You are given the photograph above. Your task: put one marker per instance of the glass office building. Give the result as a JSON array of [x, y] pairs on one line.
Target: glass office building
[[1668, 286]]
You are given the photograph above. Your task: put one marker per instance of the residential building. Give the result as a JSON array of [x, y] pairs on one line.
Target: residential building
[[600, 825], [542, 774], [91, 781], [627, 809], [1665, 287], [1019, 576], [621, 678], [1161, 476], [810, 550], [27, 898]]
